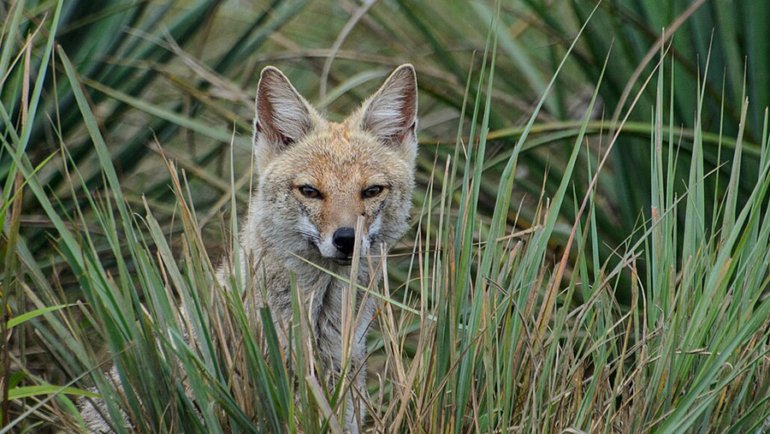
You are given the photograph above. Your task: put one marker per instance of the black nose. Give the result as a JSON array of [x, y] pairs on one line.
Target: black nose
[[344, 239]]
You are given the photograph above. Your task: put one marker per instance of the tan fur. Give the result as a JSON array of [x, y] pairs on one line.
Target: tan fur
[[295, 147]]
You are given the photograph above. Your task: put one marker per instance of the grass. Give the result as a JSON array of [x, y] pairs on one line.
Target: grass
[[619, 286]]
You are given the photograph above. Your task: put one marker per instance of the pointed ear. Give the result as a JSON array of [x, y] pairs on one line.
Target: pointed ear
[[391, 113], [282, 115]]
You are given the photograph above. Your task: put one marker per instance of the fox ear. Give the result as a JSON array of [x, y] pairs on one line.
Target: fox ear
[[391, 113], [282, 115]]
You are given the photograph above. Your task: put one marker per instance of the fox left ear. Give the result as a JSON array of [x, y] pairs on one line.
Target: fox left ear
[[391, 113]]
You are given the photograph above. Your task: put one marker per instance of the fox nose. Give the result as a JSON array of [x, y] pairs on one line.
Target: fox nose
[[344, 239]]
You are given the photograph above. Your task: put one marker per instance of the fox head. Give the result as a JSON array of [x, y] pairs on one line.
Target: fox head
[[317, 177]]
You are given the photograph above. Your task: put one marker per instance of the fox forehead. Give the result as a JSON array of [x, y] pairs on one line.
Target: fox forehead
[[338, 158]]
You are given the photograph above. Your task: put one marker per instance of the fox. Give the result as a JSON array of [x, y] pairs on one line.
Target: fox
[[329, 197]]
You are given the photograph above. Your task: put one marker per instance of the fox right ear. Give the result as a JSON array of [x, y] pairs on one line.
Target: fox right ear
[[282, 115]]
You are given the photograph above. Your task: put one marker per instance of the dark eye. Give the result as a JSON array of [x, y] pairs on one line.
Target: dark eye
[[372, 191], [309, 192]]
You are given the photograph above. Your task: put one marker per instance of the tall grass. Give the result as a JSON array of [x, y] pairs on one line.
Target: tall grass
[[496, 314]]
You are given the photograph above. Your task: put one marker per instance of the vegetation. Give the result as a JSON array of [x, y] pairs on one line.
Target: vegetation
[[590, 249]]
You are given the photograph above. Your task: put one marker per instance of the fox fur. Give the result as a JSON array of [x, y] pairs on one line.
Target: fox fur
[[320, 181]]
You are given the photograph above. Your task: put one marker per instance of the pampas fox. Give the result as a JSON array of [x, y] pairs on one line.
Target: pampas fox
[[326, 190]]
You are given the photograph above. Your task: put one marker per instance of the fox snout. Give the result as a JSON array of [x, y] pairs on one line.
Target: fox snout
[[338, 243], [344, 239]]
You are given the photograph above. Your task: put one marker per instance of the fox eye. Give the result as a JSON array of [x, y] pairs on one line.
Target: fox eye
[[309, 192], [372, 191]]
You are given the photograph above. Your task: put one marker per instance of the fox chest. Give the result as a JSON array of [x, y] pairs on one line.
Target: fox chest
[[327, 318], [324, 300]]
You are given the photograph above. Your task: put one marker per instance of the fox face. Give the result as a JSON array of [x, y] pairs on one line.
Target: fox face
[[317, 178]]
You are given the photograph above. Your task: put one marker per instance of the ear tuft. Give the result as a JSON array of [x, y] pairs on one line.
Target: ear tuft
[[282, 115], [391, 113]]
